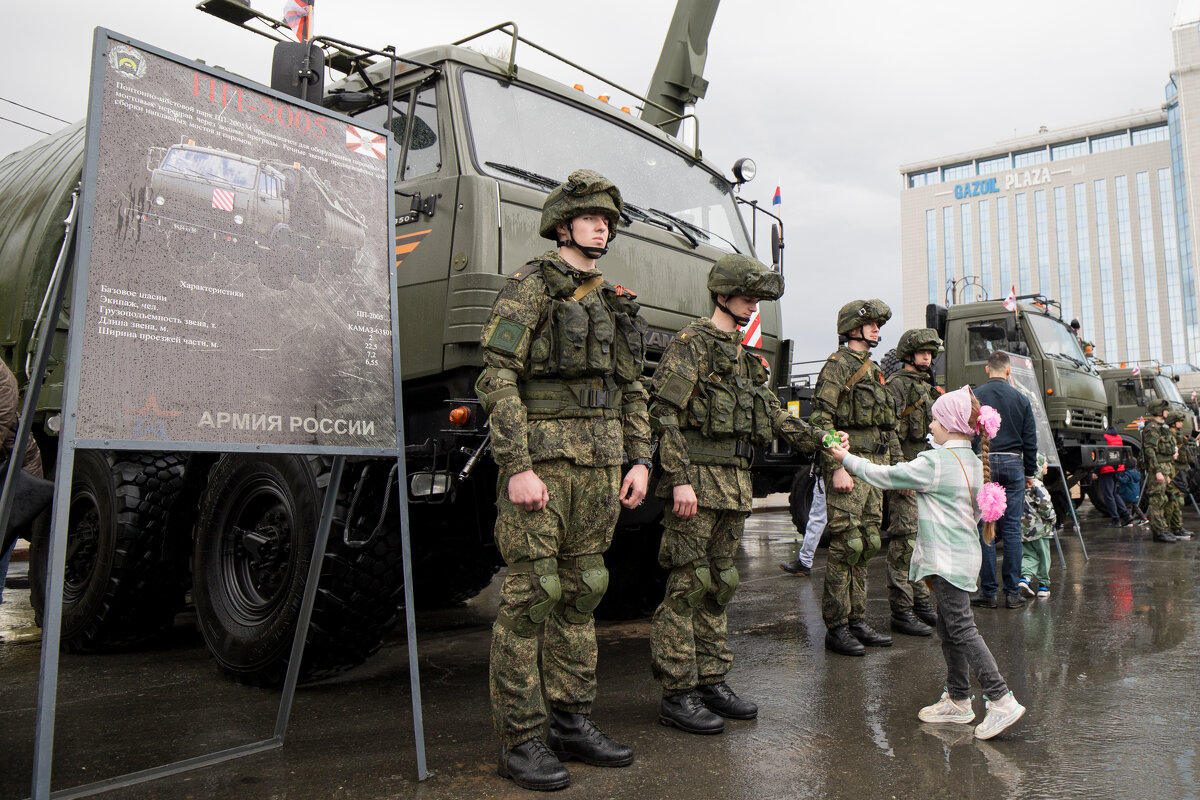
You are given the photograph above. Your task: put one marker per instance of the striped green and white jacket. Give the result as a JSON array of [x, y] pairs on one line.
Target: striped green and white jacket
[[947, 534]]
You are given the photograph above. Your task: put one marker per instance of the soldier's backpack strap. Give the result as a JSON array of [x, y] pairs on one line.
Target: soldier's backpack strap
[[585, 288], [913, 407], [866, 365]]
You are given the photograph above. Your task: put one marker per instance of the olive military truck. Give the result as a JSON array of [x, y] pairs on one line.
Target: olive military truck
[[480, 145], [1072, 392], [205, 201]]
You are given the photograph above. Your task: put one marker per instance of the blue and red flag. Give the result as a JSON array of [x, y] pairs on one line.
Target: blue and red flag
[[777, 200], [298, 14]]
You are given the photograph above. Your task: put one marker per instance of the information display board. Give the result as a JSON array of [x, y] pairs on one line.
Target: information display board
[[237, 265], [1024, 379]]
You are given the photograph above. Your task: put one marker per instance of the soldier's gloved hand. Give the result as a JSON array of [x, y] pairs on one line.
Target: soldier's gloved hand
[[526, 490], [685, 501], [633, 488], [842, 482]]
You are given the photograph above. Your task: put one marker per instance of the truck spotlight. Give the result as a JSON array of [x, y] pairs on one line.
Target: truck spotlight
[[54, 423], [744, 170], [428, 484], [460, 416]]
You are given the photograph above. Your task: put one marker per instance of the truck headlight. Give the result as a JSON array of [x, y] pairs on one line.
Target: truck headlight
[[237, 219], [1067, 418], [1104, 421], [159, 200]]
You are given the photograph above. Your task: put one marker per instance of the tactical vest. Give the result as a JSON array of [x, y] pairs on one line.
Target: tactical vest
[[728, 410], [866, 402], [914, 397], [581, 349]]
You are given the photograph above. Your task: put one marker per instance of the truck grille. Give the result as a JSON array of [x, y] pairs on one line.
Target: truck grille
[[1085, 419]]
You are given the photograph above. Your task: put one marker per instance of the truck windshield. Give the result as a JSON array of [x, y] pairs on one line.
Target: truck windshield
[[1056, 338], [1167, 389], [211, 166], [513, 126]]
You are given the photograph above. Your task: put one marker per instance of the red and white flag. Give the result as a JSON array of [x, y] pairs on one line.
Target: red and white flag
[[222, 199], [753, 337], [297, 14], [1010, 302], [366, 142], [1136, 370]]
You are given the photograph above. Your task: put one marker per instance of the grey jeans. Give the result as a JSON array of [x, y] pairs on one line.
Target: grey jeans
[[962, 646]]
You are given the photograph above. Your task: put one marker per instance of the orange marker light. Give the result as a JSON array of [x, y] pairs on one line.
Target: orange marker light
[[579, 86], [460, 416], [625, 109], [1049, 391], [603, 98]]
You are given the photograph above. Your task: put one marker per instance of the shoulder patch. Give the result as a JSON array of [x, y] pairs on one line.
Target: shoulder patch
[[675, 389], [506, 336]]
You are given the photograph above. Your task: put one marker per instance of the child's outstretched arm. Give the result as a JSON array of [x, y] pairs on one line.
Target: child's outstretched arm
[[917, 474]]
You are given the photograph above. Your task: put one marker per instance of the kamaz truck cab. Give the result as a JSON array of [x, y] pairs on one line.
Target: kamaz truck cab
[[1131, 389]]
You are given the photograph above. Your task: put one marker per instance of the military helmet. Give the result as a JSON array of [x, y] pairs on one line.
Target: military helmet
[[916, 339], [736, 275], [859, 312], [584, 192], [1158, 406], [1175, 416]]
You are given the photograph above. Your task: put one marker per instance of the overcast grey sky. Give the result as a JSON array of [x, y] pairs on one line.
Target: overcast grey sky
[[828, 98]]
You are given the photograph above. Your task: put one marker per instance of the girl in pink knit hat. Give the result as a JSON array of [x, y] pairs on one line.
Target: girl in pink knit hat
[[953, 490]]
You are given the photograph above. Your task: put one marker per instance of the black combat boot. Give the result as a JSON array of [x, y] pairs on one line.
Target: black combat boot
[[860, 630], [531, 765], [926, 613], [1164, 536], [1182, 534], [906, 622], [720, 699], [839, 640], [576, 736], [795, 568], [688, 713]]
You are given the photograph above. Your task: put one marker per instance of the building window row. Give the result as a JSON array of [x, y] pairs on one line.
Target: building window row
[[1130, 137]]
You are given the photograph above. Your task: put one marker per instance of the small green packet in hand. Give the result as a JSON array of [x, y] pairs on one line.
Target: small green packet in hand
[[831, 439]]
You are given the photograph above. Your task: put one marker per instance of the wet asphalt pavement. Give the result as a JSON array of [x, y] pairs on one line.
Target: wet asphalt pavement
[[1106, 666]]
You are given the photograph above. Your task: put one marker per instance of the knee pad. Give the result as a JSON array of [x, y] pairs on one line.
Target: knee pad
[[854, 548], [544, 576], [727, 580], [698, 575], [593, 579], [872, 545]]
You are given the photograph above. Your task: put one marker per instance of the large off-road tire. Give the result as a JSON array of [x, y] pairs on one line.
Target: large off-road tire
[[254, 542], [123, 581]]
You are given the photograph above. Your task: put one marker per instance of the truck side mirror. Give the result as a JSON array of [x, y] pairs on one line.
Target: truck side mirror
[[777, 249], [935, 317], [299, 70], [154, 157]]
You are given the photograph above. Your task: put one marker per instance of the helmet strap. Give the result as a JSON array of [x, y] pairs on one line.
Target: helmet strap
[[594, 253], [740, 321], [861, 338]]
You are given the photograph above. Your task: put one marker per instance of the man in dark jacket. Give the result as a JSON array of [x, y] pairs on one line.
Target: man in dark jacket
[[1013, 461]]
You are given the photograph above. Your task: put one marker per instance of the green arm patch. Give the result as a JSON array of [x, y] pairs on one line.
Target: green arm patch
[[675, 389], [506, 336]]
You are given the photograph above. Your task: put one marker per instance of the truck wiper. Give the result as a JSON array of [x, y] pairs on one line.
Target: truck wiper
[[532, 177], [1070, 358], [644, 216], [685, 228]]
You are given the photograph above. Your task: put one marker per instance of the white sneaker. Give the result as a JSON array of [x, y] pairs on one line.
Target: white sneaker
[[1043, 591], [1026, 587], [947, 710], [1000, 715]]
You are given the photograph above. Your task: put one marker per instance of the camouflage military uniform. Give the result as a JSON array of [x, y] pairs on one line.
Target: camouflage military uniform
[[914, 393], [1158, 450], [866, 412], [688, 639], [569, 405]]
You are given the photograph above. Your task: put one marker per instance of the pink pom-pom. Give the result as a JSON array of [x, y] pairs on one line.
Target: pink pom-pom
[[992, 501], [989, 420]]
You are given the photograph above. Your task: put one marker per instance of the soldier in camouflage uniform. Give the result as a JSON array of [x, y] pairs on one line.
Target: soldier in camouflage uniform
[[850, 396], [914, 390], [710, 405], [1183, 462], [563, 353], [1158, 467]]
